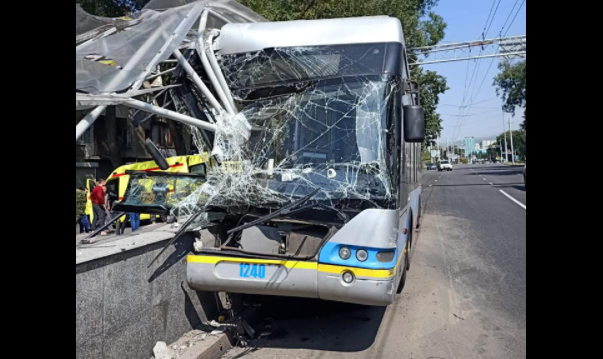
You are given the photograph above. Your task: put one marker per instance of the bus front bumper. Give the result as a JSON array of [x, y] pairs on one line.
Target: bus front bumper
[[292, 279]]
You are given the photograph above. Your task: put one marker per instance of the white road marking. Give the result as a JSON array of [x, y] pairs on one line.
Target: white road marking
[[514, 200]]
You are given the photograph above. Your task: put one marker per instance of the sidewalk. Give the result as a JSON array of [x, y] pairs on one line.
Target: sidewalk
[[113, 236]]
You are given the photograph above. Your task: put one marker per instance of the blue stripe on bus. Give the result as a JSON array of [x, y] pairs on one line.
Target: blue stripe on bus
[[330, 255]]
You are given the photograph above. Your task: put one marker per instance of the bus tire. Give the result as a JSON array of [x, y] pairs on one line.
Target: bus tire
[[403, 280], [409, 248], [420, 216]]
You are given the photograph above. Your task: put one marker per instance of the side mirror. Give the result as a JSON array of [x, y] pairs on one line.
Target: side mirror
[[414, 124], [156, 155]]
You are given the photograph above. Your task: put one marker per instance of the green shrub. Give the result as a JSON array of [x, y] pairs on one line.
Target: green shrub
[[80, 204]]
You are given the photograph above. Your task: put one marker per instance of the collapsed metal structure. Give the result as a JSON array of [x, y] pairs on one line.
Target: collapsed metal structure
[[117, 61], [164, 63]]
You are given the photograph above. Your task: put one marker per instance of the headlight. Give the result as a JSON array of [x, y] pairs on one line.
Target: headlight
[[345, 253], [362, 255]]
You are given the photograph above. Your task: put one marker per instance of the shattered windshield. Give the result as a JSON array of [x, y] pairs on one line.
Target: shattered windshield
[[326, 118], [320, 117], [331, 135]]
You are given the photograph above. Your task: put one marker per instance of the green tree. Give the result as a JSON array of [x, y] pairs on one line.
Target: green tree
[[112, 8], [520, 140], [80, 204], [512, 85], [494, 152], [432, 86]]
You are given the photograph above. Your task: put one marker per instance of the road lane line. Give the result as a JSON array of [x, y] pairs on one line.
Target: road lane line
[[514, 200]]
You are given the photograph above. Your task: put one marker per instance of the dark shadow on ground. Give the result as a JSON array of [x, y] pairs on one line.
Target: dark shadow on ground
[[311, 324]]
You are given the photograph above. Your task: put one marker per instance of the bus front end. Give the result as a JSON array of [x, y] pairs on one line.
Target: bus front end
[[319, 205]]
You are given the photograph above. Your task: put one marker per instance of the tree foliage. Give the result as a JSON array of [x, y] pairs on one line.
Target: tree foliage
[[520, 140], [80, 204], [111, 8], [432, 86], [493, 151], [512, 85]]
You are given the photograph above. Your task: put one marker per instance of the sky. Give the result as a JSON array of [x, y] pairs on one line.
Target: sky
[[466, 21]]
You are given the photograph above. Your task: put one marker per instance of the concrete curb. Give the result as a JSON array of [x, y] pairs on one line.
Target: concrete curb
[[200, 345]]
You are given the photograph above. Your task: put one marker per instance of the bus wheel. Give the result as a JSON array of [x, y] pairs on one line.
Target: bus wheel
[[403, 280], [420, 216], [409, 246]]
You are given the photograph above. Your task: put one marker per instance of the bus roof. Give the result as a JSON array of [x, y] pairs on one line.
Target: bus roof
[[244, 38]]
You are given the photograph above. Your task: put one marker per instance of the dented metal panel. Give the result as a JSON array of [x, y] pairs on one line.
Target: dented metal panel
[[241, 38]]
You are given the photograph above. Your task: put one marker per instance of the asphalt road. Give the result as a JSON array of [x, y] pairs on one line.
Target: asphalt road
[[466, 293]]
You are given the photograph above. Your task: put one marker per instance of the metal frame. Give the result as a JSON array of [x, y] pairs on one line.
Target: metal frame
[[204, 48], [89, 120], [507, 47]]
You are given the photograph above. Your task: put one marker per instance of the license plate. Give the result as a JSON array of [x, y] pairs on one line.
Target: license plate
[[251, 272]]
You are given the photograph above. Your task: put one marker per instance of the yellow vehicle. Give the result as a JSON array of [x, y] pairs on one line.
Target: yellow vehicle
[[90, 184], [118, 181]]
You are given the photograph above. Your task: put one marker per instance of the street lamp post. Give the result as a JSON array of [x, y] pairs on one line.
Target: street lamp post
[[512, 144], [506, 157]]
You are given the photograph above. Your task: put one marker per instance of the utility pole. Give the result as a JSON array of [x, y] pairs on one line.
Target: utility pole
[[511, 135], [506, 156], [437, 146]]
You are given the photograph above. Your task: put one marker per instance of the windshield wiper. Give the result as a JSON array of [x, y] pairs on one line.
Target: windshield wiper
[[279, 90], [341, 215], [283, 211]]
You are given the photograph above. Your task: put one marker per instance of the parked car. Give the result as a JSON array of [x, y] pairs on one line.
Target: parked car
[[432, 167]]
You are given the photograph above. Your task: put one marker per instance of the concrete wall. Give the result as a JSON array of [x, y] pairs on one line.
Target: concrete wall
[[122, 309]]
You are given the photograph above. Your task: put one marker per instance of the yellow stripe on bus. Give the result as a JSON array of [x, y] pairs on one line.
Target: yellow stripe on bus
[[358, 272], [287, 264], [324, 268]]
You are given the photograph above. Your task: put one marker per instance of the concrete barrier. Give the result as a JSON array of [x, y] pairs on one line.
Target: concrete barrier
[[123, 308]]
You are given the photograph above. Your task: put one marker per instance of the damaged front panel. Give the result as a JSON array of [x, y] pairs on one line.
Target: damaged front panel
[[320, 121]]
